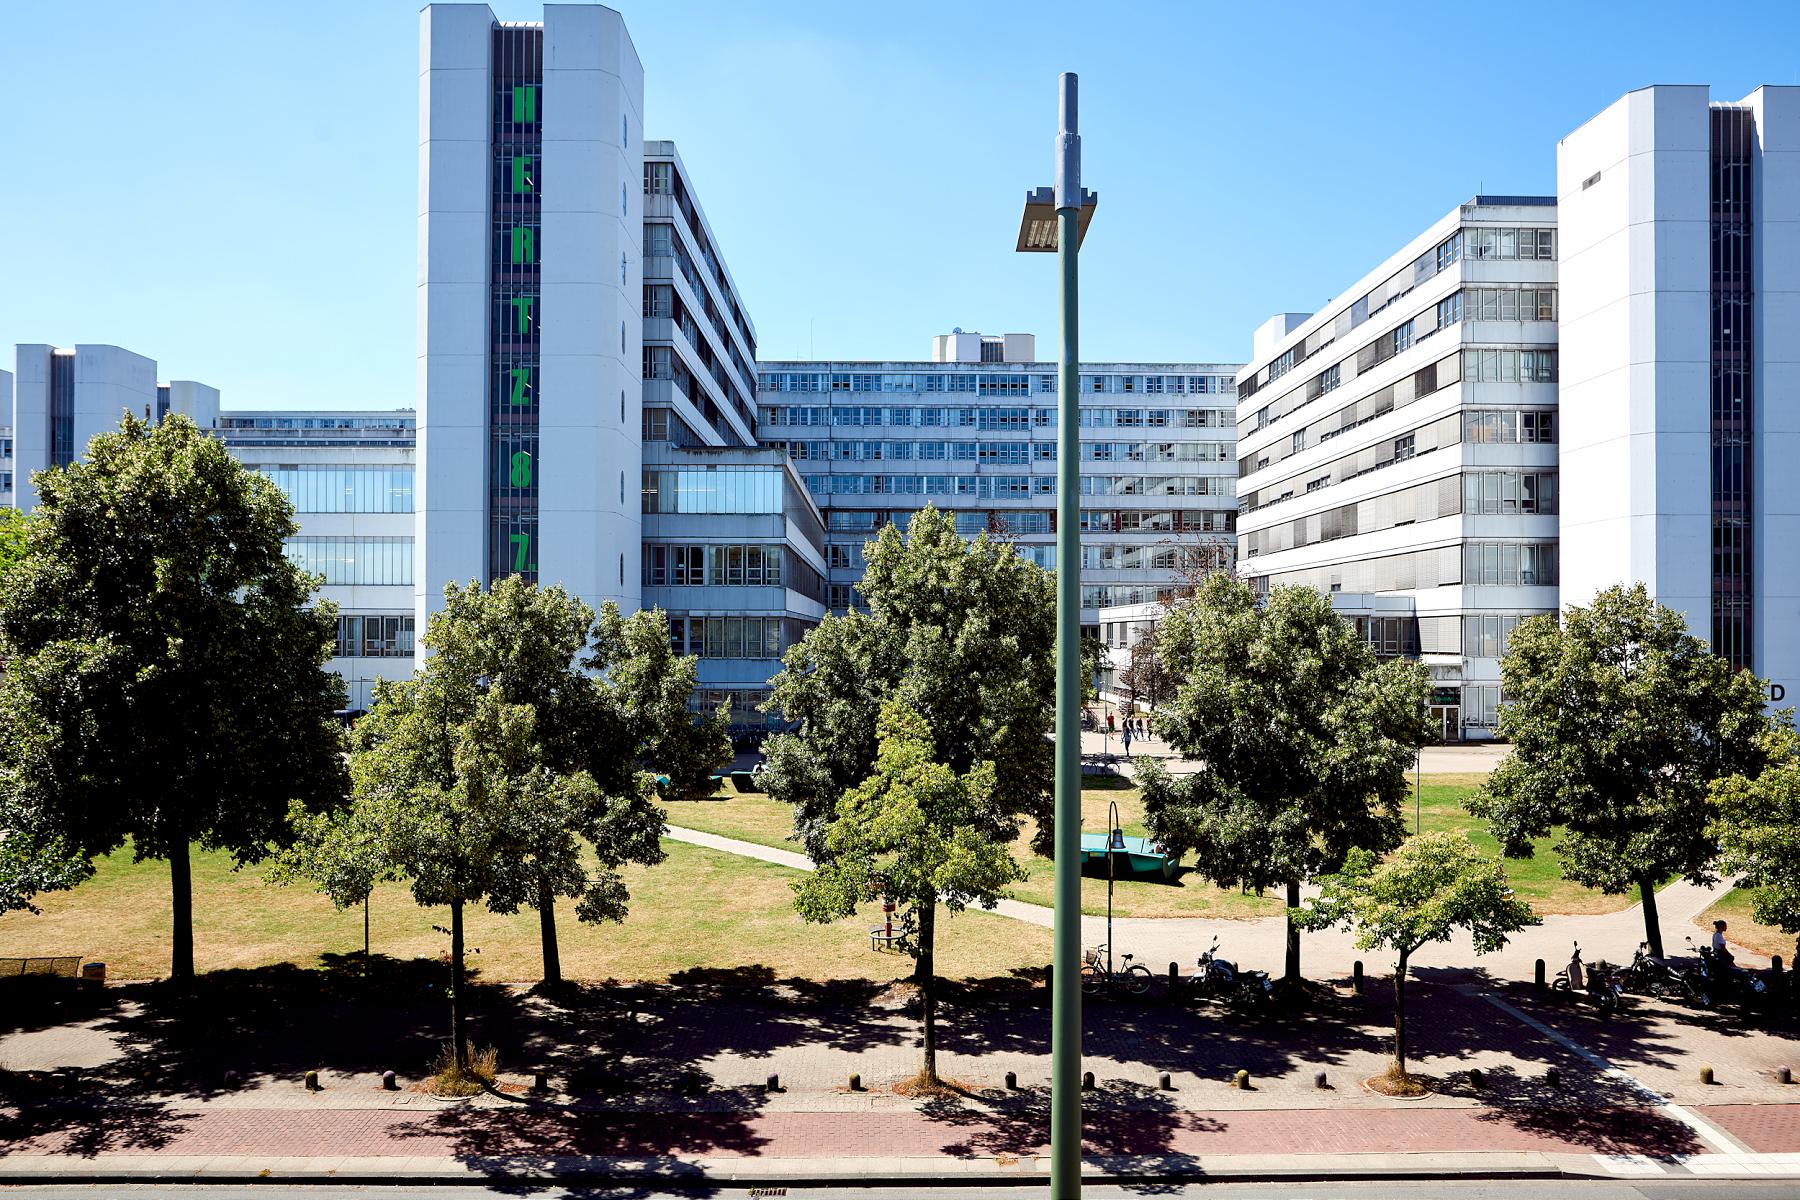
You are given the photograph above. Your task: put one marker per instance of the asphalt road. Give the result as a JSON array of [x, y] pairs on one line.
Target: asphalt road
[[1553, 1189]]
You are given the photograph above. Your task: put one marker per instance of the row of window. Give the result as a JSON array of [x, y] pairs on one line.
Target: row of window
[[333, 489], [1016, 453], [1093, 520], [986, 383], [724, 489], [1510, 564], [1014, 487], [732, 637], [1506, 493], [346, 561], [361, 636], [715, 566], [867, 416]]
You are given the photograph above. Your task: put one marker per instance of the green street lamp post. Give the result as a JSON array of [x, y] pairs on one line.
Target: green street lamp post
[[1056, 220]]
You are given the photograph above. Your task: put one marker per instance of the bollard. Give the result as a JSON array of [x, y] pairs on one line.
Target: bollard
[[540, 1081], [1706, 1075], [1475, 1078], [1012, 1081], [855, 1082], [1320, 1082], [1356, 976], [773, 1085], [1241, 1081], [1087, 1081], [1537, 980], [1775, 965], [1552, 1077], [1784, 1075], [390, 1084], [231, 1079], [1165, 1083], [312, 1081], [1174, 977]]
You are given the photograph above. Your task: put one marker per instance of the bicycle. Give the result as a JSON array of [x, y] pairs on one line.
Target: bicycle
[[1130, 977]]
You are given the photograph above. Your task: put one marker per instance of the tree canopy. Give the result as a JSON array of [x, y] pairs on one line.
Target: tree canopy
[[1306, 739], [165, 678], [920, 834], [1620, 721], [1757, 824], [1432, 886], [965, 634]]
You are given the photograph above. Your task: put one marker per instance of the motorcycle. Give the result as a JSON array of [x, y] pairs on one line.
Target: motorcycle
[[1651, 976], [1221, 979], [1720, 981], [1599, 983]]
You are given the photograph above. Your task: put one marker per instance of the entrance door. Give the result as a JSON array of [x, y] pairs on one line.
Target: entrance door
[[1449, 722]]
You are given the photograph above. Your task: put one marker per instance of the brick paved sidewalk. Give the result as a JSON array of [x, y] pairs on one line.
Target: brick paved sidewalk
[[951, 1131]]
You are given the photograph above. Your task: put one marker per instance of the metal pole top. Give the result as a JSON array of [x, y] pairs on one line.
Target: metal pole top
[[1068, 144]]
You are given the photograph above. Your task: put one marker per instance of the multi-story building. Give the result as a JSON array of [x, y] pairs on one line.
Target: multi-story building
[[1680, 280], [531, 161], [350, 476], [974, 431], [1397, 449]]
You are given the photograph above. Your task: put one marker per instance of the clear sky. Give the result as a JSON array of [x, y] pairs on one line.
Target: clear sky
[[229, 187]]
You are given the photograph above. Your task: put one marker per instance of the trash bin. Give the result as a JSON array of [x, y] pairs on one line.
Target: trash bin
[[93, 972]]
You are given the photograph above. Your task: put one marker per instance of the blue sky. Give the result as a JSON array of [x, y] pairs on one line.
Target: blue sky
[[230, 187]]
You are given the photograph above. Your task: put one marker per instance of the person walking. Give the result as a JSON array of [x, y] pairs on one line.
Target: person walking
[[1109, 722], [1127, 739]]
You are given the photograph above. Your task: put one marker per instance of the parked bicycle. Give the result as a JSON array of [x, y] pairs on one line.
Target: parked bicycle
[[1097, 979], [1216, 978]]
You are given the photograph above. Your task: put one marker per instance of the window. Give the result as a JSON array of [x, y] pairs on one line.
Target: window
[[625, 130], [354, 561], [345, 489], [727, 637], [1510, 564], [374, 637], [1449, 310]]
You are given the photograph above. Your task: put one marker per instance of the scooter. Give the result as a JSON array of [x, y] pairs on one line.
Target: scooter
[[1720, 981], [1599, 983]]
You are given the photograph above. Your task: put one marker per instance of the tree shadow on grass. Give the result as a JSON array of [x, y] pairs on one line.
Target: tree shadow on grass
[[40, 1114]]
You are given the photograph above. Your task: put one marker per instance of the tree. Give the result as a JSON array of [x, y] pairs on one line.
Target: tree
[[965, 632], [1145, 679], [1093, 662], [1620, 721], [166, 678], [12, 537], [1435, 884], [1757, 824], [1305, 737], [921, 834]]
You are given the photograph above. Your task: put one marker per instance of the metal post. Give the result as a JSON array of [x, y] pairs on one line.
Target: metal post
[[1065, 1018], [1112, 827]]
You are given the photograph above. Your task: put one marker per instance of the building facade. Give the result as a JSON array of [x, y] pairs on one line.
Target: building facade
[[974, 432], [1398, 449], [1680, 281]]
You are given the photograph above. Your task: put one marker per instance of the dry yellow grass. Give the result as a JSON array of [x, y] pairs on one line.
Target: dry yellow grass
[[701, 909]]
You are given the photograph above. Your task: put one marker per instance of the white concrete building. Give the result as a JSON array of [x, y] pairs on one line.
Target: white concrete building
[[974, 432], [1397, 449], [531, 161], [1680, 279], [62, 397]]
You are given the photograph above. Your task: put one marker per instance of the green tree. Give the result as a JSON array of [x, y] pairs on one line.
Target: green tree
[[1434, 885], [1757, 824], [166, 678], [1145, 679], [1093, 661], [1620, 721], [965, 632], [1306, 740], [921, 834], [12, 537]]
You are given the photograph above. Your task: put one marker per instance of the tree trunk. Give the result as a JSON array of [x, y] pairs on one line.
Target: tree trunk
[[459, 1045], [926, 973], [1400, 1015], [181, 895], [546, 907], [366, 900], [1292, 974], [1652, 926]]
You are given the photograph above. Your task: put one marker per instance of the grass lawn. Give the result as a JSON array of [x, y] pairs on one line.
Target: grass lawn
[[701, 908], [1734, 907], [746, 816]]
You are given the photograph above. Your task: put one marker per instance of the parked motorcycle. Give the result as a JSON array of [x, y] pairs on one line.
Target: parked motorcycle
[[1215, 978], [1599, 983], [1651, 976], [1720, 981]]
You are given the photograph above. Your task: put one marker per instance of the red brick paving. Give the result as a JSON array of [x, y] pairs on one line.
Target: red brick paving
[[959, 1132]]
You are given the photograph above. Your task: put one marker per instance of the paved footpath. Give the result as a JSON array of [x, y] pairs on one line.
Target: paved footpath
[[517, 1143]]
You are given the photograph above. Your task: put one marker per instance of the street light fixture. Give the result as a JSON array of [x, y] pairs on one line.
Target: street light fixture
[[1056, 219]]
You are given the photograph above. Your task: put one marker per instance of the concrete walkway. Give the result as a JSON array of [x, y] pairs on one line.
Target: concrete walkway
[[1259, 943]]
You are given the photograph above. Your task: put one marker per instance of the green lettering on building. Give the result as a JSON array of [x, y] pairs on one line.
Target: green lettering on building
[[522, 181], [524, 244], [525, 105], [521, 307], [521, 545], [521, 469], [521, 385]]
